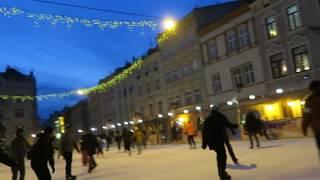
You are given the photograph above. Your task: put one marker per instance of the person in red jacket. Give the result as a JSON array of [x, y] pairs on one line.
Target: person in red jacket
[[311, 115]]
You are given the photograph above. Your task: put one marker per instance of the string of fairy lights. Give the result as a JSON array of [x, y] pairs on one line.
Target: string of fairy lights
[[69, 22]]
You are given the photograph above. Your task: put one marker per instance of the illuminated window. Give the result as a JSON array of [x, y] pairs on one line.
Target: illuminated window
[[232, 41], [278, 66], [301, 59], [271, 27], [216, 83], [243, 36], [293, 17], [212, 49]]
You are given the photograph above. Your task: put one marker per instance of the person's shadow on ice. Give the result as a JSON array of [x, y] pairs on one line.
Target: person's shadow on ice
[[241, 166]]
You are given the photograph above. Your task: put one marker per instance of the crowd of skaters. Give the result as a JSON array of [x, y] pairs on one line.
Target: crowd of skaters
[[214, 136]]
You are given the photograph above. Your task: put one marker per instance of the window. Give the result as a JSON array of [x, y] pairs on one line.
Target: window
[[186, 70], [212, 50], [138, 77], [130, 89], [140, 91], [160, 107], [278, 66], [293, 17], [232, 41], [301, 59], [271, 27], [157, 84], [150, 110], [19, 113], [243, 74], [1, 114], [248, 73], [243, 36], [178, 100], [237, 76], [148, 88], [197, 96], [142, 111], [155, 67], [216, 83], [188, 98]]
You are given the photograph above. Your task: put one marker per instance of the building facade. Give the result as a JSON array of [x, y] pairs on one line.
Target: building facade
[[15, 113]]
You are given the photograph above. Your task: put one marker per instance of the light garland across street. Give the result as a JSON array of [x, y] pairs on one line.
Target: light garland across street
[[85, 91], [69, 21]]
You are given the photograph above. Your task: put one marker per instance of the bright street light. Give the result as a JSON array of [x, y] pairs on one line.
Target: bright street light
[[33, 135], [93, 129], [113, 126], [211, 105], [126, 123], [169, 24], [170, 114], [104, 127], [160, 115], [140, 121], [118, 124], [229, 103], [198, 108], [185, 111], [252, 97], [279, 91], [131, 122], [80, 92], [80, 131]]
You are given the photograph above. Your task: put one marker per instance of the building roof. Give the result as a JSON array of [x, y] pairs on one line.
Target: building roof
[[208, 14], [13, 74]]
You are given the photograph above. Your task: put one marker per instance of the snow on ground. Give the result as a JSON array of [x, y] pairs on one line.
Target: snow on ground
[[290, 159]]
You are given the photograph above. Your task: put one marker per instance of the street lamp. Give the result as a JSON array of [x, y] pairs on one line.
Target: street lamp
[[126, 123], [186, 111], [160, 115], [198, 108], [80, 131], [140, 121], [80, 92], [169, 24], [170, 114], [252, 97], [104, 127], [279, 91]]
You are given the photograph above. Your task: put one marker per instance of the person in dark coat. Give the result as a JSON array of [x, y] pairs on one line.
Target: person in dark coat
[[213, 136], [68, 142], [127, 140], [41, 153], [118, 139], [19, 148], [91, 145], [253, 126], [311, 115]]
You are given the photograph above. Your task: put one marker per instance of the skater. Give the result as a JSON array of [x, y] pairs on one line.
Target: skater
[[19, 148], [68, 143], [127, 138], [41, 153], [174, 132], [118, 139], [191, 132], [214, 137], [90, 144], [311, 115], [253, 126], [139, 138]]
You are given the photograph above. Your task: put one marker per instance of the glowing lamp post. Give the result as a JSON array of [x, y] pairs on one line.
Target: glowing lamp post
[[169, 24]]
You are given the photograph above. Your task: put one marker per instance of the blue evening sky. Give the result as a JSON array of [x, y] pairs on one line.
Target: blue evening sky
[[65, 59]]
